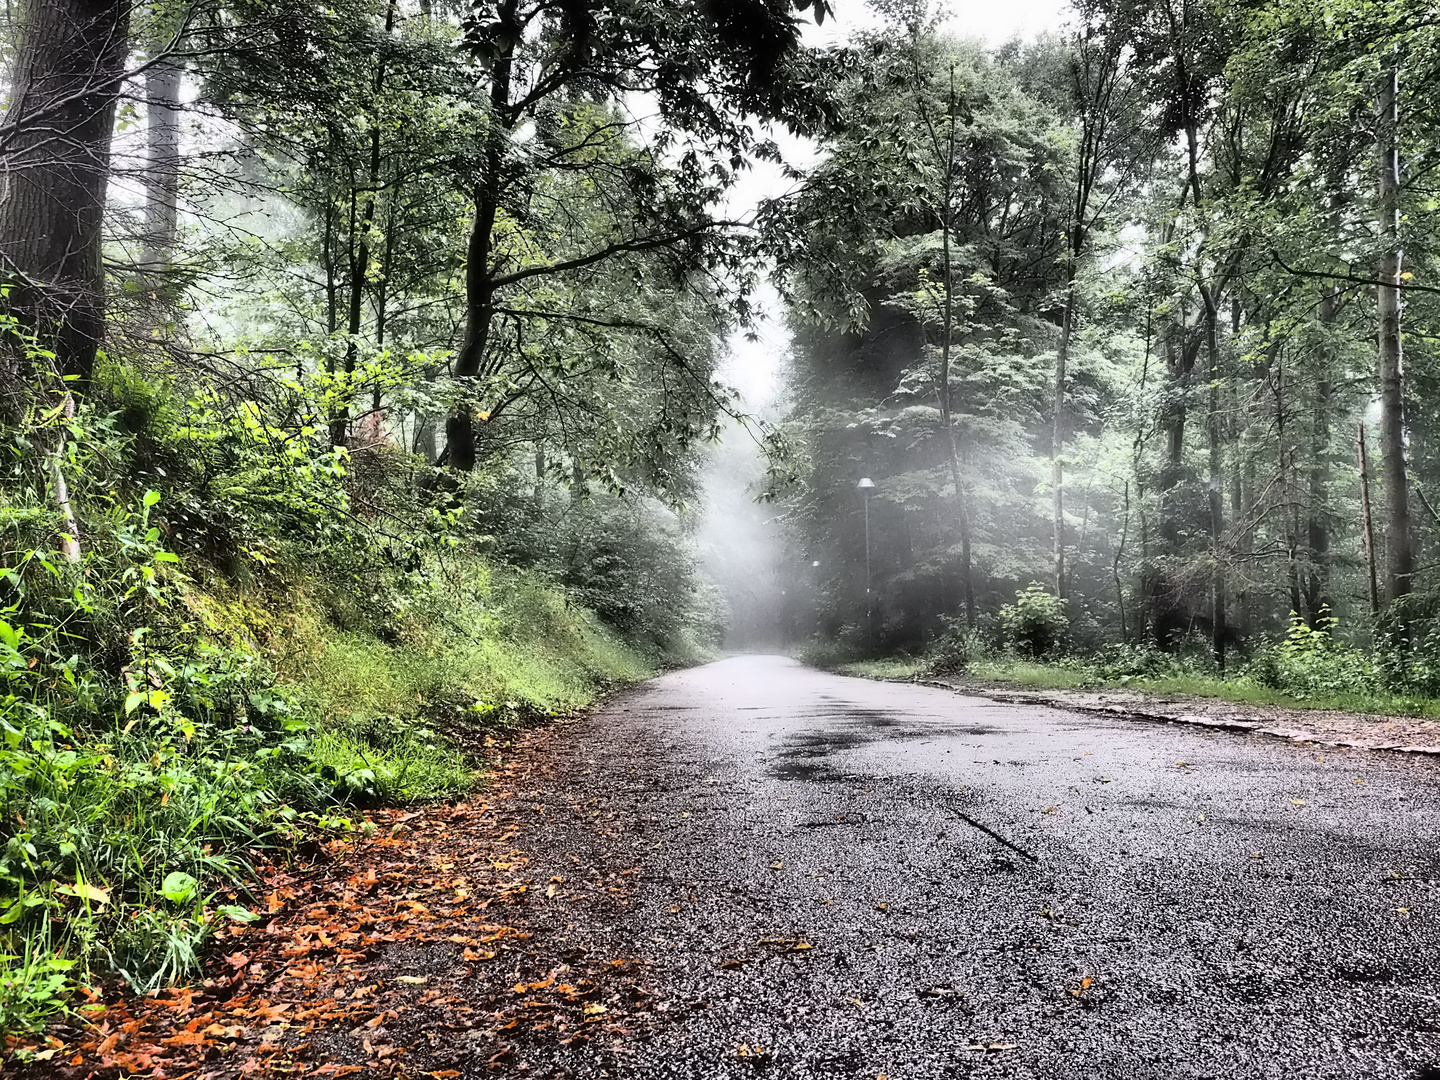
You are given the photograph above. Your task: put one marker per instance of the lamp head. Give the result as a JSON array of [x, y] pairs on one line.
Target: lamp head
[[865, 484]]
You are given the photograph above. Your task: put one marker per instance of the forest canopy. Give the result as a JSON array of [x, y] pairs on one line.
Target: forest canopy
[[1140, 313]]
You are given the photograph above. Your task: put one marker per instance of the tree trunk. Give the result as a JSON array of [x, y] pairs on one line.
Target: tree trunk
[[1216, 484], [55, 159], [479, 274], [162, 169], [1285, 459], [1399, 548], [947, 420], [1367, 524], [1057, 433], [1317, 527], [1210, 303], [360, 248]]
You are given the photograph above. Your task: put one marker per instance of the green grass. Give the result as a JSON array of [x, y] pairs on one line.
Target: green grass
[[493, 649], [417, 768], [1241, 690], [1023, 673], [896, 668]]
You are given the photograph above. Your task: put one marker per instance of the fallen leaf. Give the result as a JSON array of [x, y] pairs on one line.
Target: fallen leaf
[[185, 1038], [85, 891]]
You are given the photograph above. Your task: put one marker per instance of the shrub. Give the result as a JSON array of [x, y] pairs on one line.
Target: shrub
[[957, 646], [1123, 662], [1035, 625], [1310, 662]]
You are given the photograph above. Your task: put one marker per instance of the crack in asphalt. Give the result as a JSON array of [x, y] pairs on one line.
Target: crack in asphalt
[[996, 836]]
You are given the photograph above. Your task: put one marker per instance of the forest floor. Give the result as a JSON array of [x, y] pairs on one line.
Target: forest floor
[[428, 948]]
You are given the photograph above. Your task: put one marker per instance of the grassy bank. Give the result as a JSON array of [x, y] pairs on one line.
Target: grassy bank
[[1243, 689], [132, 838], [235, 637]]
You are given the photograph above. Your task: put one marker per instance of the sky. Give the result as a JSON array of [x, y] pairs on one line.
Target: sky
[[993, 21]]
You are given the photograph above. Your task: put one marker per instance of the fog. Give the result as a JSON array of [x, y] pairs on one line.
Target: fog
[[739, 538]]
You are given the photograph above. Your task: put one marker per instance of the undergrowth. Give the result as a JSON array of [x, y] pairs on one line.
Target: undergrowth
[[211, 650], [1309, 667]]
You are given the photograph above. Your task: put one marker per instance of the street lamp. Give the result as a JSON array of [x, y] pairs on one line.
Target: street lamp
[[865, 486]]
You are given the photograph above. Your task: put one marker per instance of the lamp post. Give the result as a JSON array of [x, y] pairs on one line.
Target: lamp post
[[865, 486]]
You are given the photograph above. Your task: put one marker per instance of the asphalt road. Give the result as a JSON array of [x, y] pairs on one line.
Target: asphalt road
[[842, 878]]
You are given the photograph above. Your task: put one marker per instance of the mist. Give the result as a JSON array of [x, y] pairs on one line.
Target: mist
[[740, 539]]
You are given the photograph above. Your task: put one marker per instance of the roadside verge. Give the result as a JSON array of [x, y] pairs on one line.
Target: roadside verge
[[1396, 734]]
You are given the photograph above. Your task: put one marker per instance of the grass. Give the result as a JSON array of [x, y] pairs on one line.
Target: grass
[[494, 648], [127, 833], [1240, 690], [893, 668], [1037, 676]]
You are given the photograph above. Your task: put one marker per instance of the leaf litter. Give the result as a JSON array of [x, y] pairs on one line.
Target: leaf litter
[[420, 950]]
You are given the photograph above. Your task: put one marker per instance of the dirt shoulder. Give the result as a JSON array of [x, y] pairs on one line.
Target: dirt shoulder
[[1403, 734], [439, 947]]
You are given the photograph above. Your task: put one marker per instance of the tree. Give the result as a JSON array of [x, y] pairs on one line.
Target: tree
[[55, 157], [708, 68], [935, 231]]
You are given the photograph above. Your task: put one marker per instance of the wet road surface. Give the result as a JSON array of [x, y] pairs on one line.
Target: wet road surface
[[842, 878]]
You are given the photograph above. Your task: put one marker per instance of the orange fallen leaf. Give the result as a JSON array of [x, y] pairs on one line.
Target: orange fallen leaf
[[185, 1038]]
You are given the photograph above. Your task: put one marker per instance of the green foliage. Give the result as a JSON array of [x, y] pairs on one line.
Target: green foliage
[[957, 647], [34, 985], [1035, 625], [1129, 662], [235, 653], [1310, 662]]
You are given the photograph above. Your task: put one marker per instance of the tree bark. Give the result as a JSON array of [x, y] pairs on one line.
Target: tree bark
[[1215, 480], [479, 275], [162, 168], [1317, 528], [55, 160], [1057, 432], [360, 247], [1399, 547], [1367, 524]]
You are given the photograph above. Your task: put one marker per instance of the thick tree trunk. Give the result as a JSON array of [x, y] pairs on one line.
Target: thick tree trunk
[[55, 160], [1399, 546]]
